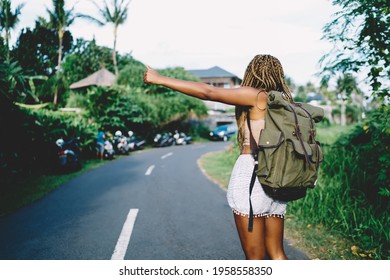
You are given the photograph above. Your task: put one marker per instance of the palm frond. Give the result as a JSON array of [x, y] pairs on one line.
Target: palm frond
[[91, 18]]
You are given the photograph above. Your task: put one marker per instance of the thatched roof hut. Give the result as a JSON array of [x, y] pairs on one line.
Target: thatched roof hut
[[103, 77]]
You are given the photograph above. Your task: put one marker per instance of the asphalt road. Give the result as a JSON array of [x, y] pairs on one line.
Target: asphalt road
[[151, 205]]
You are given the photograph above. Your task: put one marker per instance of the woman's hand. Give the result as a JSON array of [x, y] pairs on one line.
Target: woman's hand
[[151, 76]]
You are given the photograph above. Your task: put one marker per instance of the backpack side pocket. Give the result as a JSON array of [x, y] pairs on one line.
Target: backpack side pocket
[[269, 142]]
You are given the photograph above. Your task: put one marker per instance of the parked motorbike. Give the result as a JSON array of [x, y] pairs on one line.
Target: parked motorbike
[[69, 154], [181, 138], [120, 143], [163, 139], [134, 142], [109, 152]]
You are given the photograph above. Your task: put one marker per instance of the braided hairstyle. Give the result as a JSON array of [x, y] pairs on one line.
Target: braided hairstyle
[[264, 72]]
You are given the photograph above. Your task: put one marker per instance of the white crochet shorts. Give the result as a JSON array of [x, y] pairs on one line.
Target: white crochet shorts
[[238, 192]]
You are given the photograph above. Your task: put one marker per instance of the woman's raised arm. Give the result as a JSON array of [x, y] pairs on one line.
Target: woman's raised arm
[[245, 96]]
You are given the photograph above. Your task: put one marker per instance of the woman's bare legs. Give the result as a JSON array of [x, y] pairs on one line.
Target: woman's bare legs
[[253, 243], [265, 238], [274, 228]]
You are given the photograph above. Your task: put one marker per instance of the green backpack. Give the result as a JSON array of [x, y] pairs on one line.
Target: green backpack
[[287, 156]]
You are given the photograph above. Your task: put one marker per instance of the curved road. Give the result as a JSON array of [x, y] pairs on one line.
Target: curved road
[[151, 205]]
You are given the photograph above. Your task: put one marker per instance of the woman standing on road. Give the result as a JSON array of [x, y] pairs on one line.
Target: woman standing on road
[[263, 74]]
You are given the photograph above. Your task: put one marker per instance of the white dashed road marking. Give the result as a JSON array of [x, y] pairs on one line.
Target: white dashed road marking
[[149, 171], [124, 237], [167, 155]]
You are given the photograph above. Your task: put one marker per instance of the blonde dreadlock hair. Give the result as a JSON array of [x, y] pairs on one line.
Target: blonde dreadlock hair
[[264, 72]]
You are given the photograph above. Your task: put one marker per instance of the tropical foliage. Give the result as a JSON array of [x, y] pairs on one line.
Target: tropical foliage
[[60, 19], [352, 194], [36, 49], [29, 147], [12, 81], [115, 14], [85, 58], [360, 33], [8, 20], [129, 105]]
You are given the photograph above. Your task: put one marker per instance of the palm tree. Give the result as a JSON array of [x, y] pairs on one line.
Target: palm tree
[[60, 19], [8, 20], [115, 14]]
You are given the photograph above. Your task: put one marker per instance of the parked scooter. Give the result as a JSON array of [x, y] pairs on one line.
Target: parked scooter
[[181, 138], [109, 152], [69, 154], [120, 143], [134, 142], [163, 139]]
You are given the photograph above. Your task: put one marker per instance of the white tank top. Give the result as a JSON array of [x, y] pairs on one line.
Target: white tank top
[[256, 127]]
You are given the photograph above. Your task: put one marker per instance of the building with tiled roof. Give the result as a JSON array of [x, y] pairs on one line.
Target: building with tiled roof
[[217, 76]]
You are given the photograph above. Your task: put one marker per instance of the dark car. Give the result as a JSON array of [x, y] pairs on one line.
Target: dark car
[[223, 132]]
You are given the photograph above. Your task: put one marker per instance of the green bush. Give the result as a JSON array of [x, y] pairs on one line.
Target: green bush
[[132, 75], [86, 57], [55, 124], [351, 195], [28, 143], [124, 108], [119, 108], [368, 145]]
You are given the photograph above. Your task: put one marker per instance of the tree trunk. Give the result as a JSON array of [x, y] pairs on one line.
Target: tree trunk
[[7, 44], [60, 37], [114, 52], [343, 114]]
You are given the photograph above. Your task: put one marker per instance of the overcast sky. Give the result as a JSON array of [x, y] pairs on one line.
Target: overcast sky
[[199, 34]]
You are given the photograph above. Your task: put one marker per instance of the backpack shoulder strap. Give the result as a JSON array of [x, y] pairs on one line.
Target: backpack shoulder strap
[[254, 152], [252, 141]]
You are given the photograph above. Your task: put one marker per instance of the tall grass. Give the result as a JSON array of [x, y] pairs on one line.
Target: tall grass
[[334, 204], [348, 196]]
